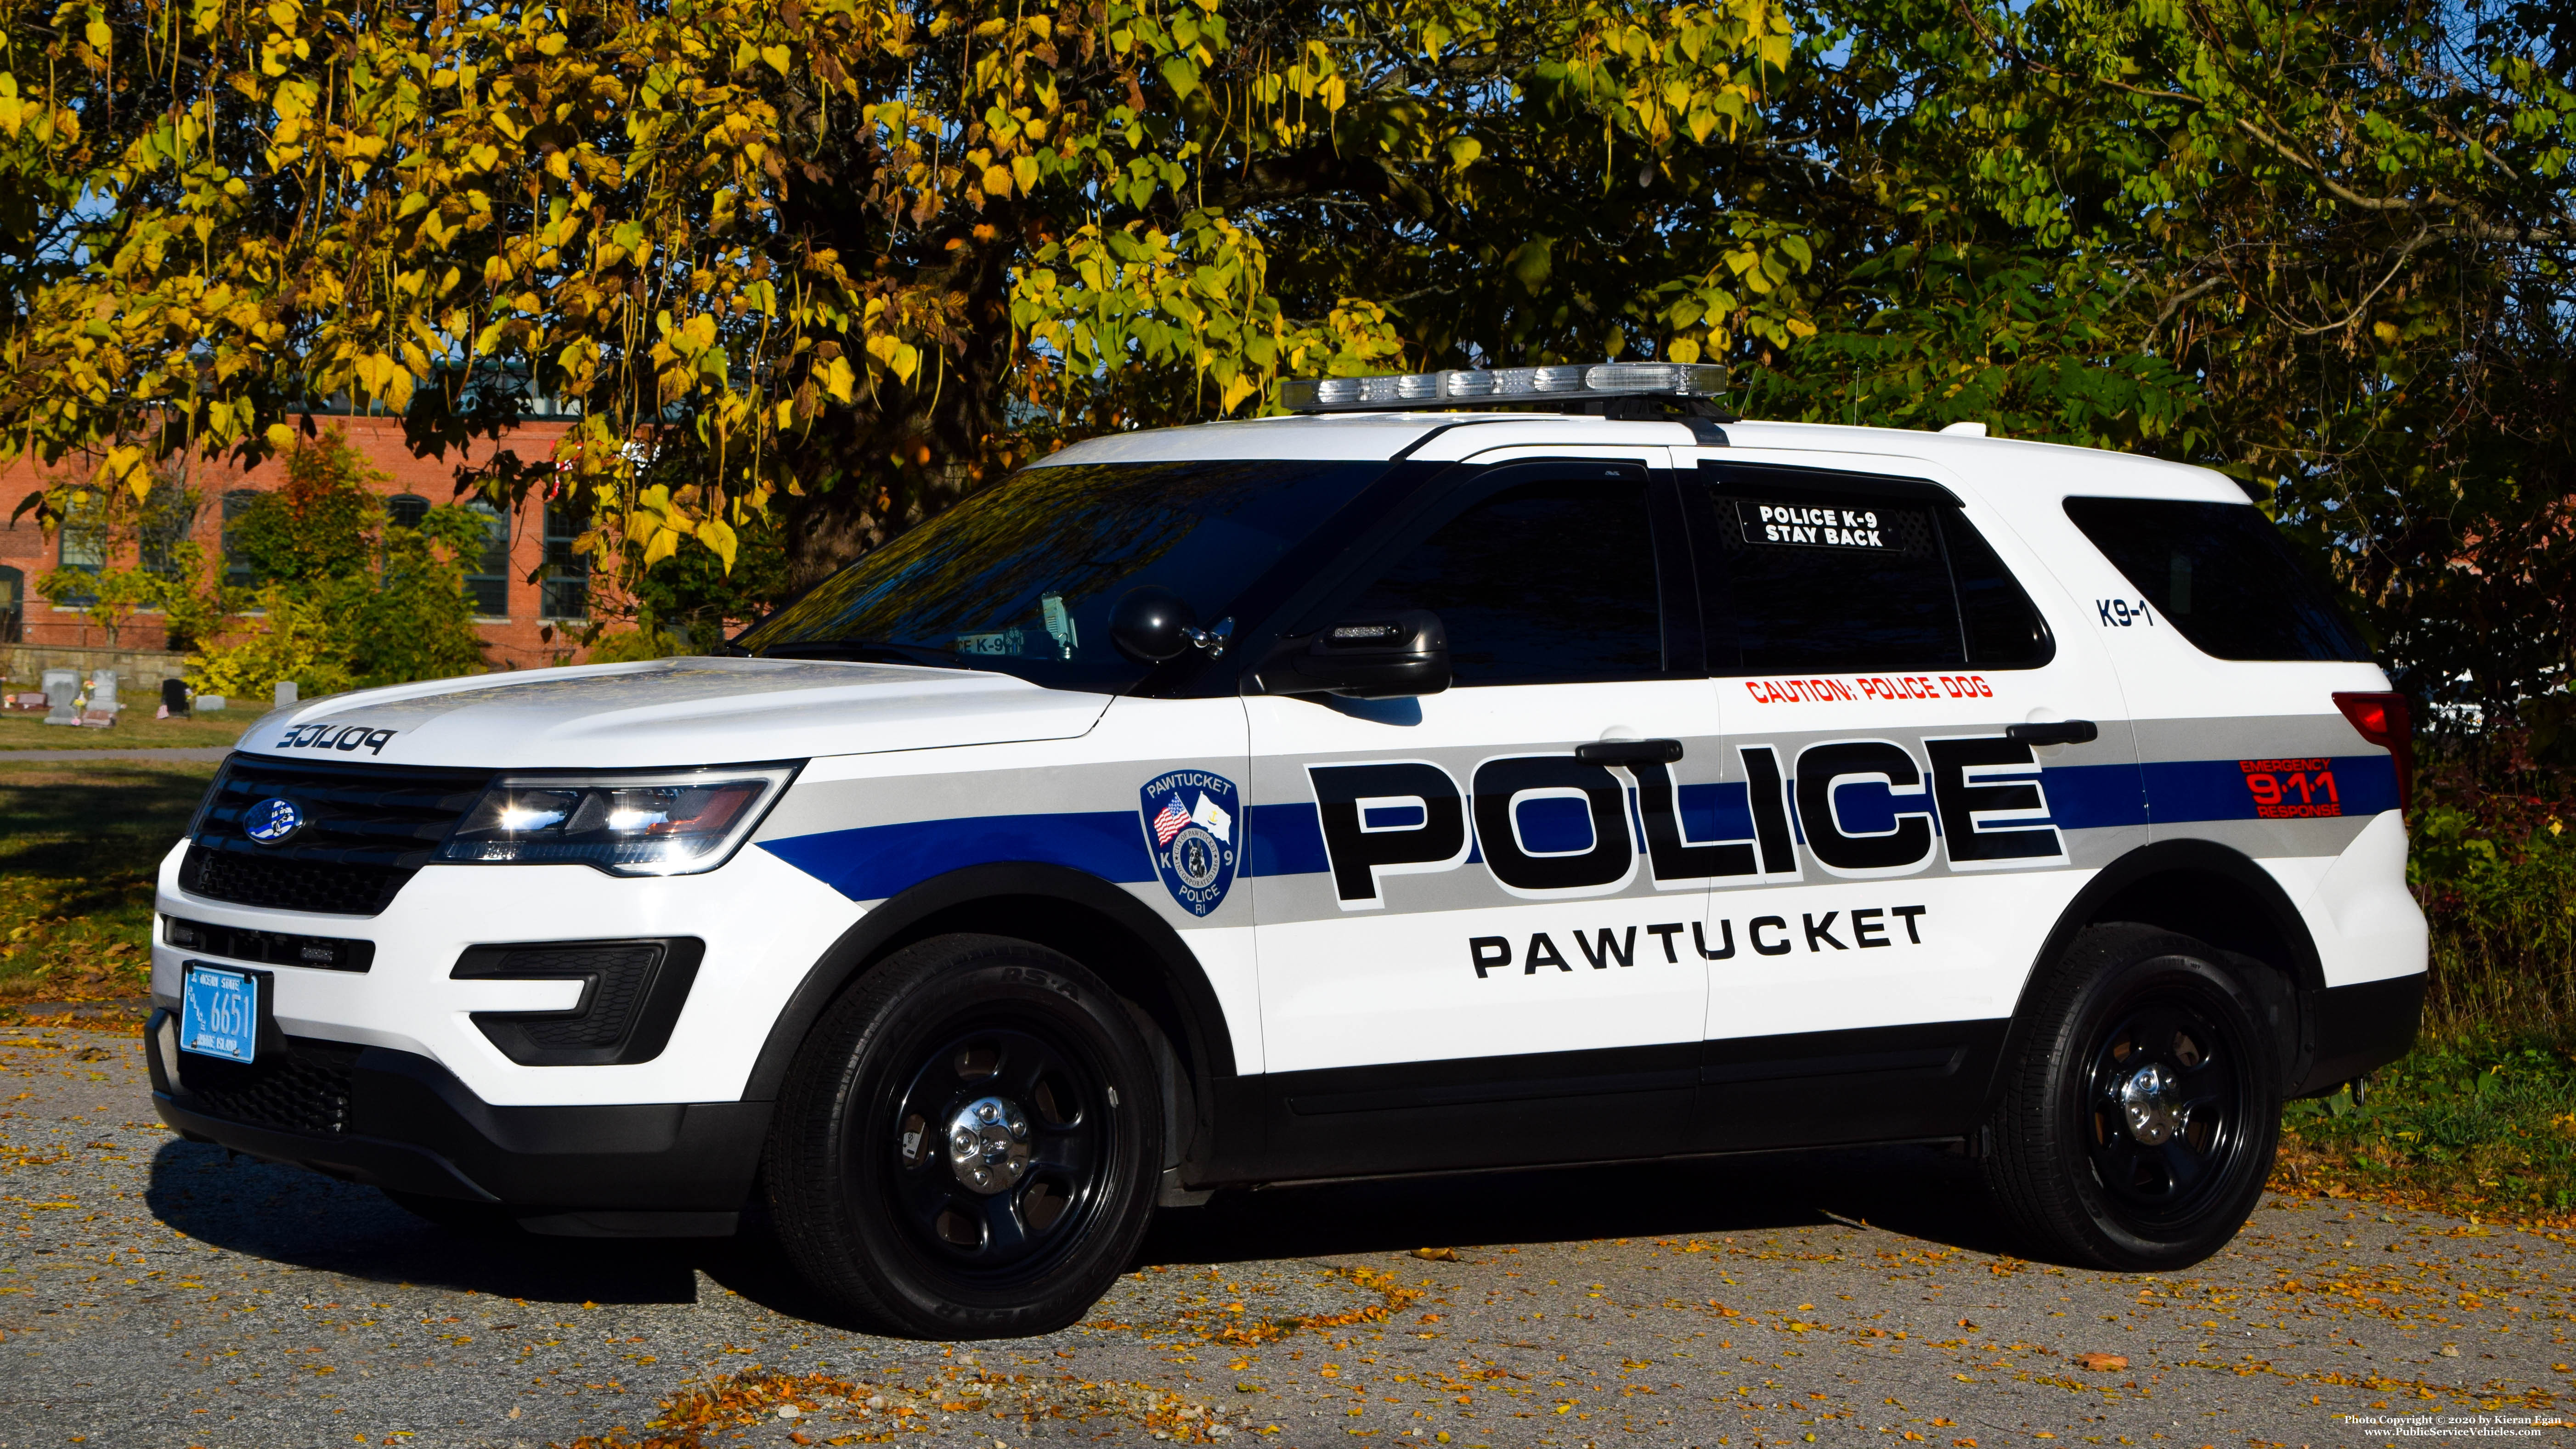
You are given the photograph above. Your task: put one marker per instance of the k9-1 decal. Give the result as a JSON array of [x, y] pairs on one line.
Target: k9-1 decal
[[344, 738], [1607, 946], [1552, 826]]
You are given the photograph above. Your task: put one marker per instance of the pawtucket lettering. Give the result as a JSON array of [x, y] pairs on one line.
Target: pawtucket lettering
[[1608, 946]]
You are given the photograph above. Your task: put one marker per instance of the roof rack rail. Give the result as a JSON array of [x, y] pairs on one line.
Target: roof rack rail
[[1559, 385]]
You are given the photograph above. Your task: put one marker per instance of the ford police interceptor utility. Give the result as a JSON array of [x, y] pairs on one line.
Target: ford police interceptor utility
[[1390, 788]]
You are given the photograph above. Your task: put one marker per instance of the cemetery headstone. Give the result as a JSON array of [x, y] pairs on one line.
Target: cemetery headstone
[[174, 697], [62, 687]]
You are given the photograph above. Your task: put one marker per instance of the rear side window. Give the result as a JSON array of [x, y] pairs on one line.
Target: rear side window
[[2221, 574], [1821, 580]]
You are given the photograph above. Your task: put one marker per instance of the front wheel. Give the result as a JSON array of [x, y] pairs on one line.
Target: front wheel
[[2140, 1115], [964, 1147]]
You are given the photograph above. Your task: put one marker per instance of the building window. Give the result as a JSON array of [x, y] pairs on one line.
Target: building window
[[488, 582], [13, 605], [406, 510], [237, 570], [84, 548], [567, 579], [169, 518]]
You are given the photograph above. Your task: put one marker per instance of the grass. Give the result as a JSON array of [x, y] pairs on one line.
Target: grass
[[2470, 1126], [136, 730], [80, 847]]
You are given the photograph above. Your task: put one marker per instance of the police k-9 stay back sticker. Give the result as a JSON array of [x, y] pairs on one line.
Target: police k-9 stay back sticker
[[1812, 525], [1191, 832]]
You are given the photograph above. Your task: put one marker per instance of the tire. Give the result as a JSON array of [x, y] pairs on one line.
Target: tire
[[2140, 1113], [1018, 1225]]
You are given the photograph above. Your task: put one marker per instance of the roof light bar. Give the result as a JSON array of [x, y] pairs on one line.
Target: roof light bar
[[1501, 384]]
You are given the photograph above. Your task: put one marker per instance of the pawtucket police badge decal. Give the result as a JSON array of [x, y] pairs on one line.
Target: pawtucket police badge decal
[[1190, 828]]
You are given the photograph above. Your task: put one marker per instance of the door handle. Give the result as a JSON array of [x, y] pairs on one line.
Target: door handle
[[2055, 732], [1630, 752]]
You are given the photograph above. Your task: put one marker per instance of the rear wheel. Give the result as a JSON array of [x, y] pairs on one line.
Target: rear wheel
[[964, 1144], [2140, 1116]]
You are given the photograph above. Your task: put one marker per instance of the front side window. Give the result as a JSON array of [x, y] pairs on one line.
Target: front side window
[[1023, 578], [1539, 583], [2221, 574]]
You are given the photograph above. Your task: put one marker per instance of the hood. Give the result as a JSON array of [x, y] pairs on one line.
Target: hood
[[672, 712]]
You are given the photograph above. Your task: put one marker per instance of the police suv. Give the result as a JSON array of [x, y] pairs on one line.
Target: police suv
[[1477, 769]]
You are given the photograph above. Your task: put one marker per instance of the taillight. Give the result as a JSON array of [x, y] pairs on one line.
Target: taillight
[[2385, 721]]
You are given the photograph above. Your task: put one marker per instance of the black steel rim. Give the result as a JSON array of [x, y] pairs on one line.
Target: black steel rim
[[2163, 1164], [1021, 1231]]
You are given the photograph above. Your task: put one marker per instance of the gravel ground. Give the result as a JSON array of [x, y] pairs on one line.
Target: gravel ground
[[156, 1293]]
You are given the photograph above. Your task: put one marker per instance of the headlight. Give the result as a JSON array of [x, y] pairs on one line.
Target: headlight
[[668, 822]]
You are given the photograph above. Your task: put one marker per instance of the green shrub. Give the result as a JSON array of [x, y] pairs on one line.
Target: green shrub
[[2494, 864]]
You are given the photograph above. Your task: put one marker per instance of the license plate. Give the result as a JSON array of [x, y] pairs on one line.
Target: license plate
[[218, 1013]]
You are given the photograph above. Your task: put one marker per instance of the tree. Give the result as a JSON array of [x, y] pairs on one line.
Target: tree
[[850, 256], [2322, 248], [342, 598]]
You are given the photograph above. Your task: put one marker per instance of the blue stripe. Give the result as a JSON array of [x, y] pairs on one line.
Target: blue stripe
[[2094, 797], [1284, 840], [877, 861]]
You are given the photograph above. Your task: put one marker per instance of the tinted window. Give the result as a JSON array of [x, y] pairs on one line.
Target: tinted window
[[1547, 581], [2220, 573], [1830, 582], [1023, 578], [2004, 628]]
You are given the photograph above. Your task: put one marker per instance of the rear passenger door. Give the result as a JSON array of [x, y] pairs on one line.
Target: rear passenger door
[[1464, 948], [1875, 656]]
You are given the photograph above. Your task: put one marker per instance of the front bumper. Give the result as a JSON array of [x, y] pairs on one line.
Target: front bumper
[[398, 1120]]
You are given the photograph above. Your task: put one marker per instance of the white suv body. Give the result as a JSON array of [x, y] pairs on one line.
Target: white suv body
[[1664, 881]]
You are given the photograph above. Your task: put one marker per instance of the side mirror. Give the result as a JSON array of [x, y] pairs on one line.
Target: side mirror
[[1152, 625], [1383, 658]]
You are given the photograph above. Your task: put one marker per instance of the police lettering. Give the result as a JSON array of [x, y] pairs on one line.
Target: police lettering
[[1556, 824], [1606, 948], [344, 738], [1816, 527]]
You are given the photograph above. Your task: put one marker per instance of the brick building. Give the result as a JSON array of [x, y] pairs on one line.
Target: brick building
[[523, 622]]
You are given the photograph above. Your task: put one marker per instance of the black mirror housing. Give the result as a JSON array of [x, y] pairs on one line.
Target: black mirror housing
[[1386, 657], [1152, 625]]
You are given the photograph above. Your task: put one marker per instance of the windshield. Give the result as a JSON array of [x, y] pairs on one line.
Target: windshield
[[1023, 578]]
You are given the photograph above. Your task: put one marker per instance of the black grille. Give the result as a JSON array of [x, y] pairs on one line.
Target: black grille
[[304, 1087], [327, 953], [368, 827]]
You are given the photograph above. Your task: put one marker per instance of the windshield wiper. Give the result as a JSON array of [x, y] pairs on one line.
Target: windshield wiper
[[865, 651]]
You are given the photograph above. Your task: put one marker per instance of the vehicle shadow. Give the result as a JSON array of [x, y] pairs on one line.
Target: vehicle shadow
[[289, 1215], [1914, 1191], [293, 1216]]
